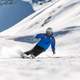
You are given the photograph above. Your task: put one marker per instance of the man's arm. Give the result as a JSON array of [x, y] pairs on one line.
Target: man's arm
[[53, 45], [37, 37]]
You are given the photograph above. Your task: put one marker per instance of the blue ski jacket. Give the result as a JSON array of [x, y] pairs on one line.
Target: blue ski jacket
[[46, 41]]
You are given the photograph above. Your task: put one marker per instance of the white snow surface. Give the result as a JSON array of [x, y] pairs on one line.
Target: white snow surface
[[64, 17], [40, 69]]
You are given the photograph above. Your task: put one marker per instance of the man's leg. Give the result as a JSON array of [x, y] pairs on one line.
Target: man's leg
[[28, 52], [37, 50], [34, 52], [25, 54]]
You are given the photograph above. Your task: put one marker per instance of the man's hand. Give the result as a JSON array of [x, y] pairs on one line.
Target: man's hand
[[53, 50], [34, 40]]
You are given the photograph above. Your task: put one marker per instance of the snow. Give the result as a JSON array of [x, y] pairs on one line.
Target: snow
[[64, 17], [40, 69], [65, 25]]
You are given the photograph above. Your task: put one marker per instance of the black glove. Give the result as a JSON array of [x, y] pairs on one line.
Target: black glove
[[53, 50]]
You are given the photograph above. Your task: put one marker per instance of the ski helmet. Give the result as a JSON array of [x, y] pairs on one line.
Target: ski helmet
[[49, 30]]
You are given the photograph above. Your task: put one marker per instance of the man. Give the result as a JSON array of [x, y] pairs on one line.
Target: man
[[46, 39]]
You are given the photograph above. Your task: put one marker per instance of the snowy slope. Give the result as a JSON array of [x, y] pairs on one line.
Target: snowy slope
[[27, 22], [44, 69], [39, 18], [63, 16]]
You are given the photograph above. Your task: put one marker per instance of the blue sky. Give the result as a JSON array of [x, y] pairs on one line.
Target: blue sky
[[12, 14]]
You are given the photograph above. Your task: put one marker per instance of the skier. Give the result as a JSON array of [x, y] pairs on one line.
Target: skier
[[45, 40]]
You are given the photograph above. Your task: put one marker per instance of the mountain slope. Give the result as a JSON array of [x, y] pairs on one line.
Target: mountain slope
[[63, 16], [40, 17]]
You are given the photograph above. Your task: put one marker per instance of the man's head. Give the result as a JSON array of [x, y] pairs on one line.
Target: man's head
[[49, 31]]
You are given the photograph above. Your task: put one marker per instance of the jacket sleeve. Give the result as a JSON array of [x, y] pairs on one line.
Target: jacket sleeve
[[53, 44], [39, 36]]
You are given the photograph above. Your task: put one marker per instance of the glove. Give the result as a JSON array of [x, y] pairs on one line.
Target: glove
[[53, 50]]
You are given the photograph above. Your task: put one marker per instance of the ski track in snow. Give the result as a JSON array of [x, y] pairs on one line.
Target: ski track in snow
[[40, 69]]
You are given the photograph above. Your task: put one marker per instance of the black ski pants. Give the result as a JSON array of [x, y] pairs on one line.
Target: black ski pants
[[35, 51]]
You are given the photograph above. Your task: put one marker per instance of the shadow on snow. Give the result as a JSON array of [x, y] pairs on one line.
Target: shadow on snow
[[29, 39]]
